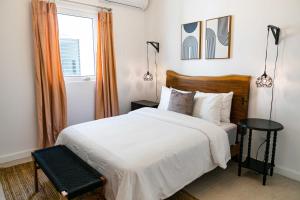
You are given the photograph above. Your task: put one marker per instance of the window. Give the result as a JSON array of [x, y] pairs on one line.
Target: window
[[70, 57], [77, 45]]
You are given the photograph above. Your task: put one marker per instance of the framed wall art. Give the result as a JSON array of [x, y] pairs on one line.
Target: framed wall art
[[218, 38], [191, 41]]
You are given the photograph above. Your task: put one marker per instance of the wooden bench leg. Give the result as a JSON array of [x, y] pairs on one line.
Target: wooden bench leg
[[64, 195], [36, 182]]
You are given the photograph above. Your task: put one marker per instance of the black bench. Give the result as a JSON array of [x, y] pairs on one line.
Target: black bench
[[70, 175]]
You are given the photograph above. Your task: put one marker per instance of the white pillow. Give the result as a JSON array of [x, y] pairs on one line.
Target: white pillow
[[165, 97], [226, 107], [208, 106]]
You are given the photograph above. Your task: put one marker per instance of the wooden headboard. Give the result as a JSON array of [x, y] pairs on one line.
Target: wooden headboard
[[239, 84]]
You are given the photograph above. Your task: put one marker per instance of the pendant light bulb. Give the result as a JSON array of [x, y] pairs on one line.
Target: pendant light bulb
[[148, 76]]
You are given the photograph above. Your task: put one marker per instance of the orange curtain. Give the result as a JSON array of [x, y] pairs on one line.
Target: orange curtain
[[49, 80], [107, 104]]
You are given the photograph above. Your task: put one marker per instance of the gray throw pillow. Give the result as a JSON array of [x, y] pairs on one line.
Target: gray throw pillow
[[181, 102]]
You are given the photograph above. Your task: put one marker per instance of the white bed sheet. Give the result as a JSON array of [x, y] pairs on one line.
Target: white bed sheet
[[231, 130], [148, 154]]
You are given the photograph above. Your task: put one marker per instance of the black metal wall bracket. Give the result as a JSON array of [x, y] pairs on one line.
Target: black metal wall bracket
[[276, 32], [154, 44]]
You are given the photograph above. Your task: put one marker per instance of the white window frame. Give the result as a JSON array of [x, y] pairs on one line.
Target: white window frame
[[81, 11]]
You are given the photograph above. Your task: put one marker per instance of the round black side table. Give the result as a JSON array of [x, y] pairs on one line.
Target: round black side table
[[268, 126]]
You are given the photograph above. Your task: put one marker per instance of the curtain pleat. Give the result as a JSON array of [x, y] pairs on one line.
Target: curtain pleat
[[107, 104], [49, 80]]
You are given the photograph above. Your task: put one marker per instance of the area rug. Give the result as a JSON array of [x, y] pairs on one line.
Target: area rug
[[18, 184]]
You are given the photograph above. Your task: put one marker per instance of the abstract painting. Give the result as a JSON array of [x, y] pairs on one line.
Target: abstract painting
[[191, 41], [217, 38]]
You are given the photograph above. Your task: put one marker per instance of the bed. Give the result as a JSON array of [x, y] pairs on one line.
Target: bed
[[151, 154]]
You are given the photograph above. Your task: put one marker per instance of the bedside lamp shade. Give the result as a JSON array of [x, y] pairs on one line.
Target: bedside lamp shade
[[264, 81], [148, 76]]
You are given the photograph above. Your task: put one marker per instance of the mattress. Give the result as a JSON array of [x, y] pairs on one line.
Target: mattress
[[231, 130]]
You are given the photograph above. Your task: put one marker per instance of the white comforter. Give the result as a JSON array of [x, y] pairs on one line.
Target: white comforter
[[148, 154]]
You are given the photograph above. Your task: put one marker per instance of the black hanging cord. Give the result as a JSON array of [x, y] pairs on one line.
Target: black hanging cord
[[148, 56], [155, 53], [259, 148], [274, 77], [267, 45], [276, 35]]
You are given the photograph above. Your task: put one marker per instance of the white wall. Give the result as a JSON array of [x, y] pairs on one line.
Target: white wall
[[17, 105], [250, 19], [17, 102]]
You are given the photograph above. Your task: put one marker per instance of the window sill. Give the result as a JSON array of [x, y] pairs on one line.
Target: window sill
[[70, 79]]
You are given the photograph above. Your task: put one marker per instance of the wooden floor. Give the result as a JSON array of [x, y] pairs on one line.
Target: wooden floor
[[226, 185], [18, 184], [219, 184]]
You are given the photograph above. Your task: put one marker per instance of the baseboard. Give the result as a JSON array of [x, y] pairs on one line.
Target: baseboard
[[4, 159], [289, 173], [283, 171]]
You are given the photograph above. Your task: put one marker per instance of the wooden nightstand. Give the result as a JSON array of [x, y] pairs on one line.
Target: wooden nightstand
[[262, 167], [143, 103]]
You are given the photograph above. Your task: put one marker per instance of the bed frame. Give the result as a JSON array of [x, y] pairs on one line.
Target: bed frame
[[239, 84]]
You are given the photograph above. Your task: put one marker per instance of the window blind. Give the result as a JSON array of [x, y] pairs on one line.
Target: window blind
[[70, 57]]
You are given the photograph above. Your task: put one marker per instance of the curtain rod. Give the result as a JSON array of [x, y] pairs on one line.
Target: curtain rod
[[87, 4]]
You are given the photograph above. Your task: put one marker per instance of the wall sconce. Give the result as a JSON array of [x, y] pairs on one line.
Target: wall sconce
[[148, 76], [265, 80]]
